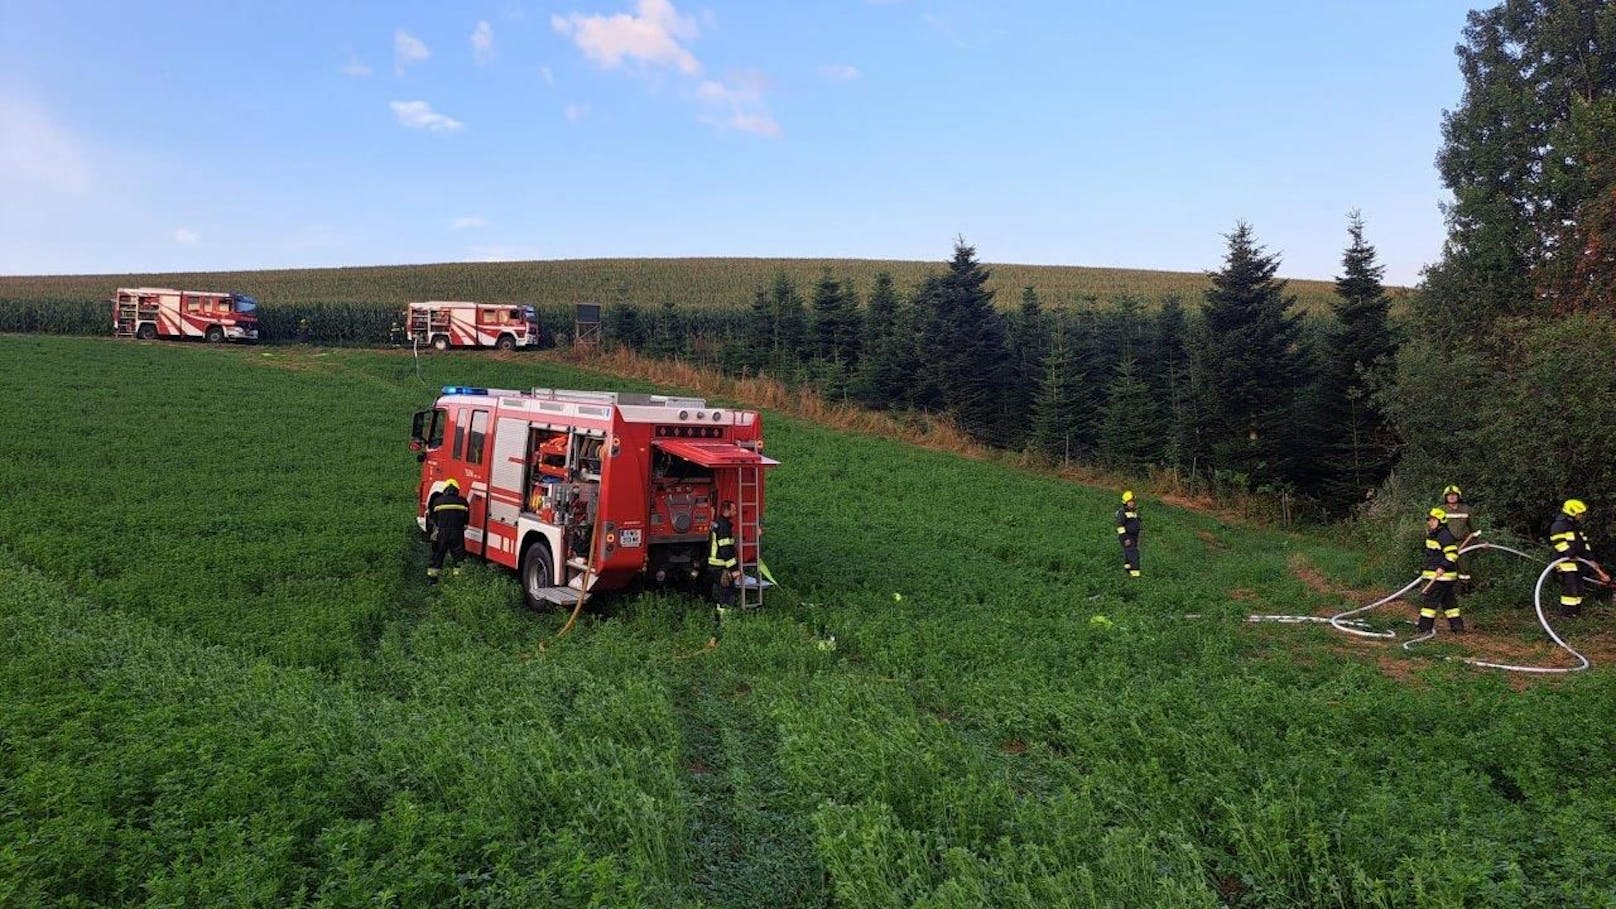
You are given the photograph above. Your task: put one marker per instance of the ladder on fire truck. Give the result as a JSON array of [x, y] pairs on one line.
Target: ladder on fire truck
[[749, 526]]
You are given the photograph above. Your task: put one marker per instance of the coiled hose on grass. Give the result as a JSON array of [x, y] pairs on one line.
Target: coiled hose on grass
[[1543, 619], [1338, 622], [1344, 621]]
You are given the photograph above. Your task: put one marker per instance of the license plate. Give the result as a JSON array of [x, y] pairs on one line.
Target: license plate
[[631, 538]]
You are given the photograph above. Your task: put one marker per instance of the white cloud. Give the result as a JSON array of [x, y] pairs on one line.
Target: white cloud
[[186, 235], [468, 222], [575, 112], [742, 94], [839, 72], [420, 115], [356, 69], [407, 49], [653, 37], [549, 77], [36, 152], [482, 43]]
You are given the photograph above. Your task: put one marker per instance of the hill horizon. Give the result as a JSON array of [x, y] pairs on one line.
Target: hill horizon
[[697, 281]]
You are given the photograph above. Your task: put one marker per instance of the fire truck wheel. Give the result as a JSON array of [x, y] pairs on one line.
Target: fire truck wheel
[[505, 342], [538, 572], [147, 332], [441, 342], [215, 334]]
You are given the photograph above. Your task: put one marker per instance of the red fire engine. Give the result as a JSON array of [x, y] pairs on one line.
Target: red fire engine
[[451, 324], [154, 312], [600, 488]]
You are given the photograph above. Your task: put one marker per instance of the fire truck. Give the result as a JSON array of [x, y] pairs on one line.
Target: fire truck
[[149, 313], [454, 324], [582, 492]]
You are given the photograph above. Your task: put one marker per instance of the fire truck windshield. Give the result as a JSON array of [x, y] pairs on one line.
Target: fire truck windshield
[[246, 305]]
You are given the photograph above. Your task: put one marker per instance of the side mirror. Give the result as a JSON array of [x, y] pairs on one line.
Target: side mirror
[[416, 445]]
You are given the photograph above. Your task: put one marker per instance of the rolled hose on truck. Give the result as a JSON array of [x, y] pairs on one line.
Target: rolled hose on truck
[[1343, 621]]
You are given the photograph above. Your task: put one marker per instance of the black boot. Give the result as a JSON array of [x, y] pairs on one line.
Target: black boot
[[1456, 624], [1427, 623]]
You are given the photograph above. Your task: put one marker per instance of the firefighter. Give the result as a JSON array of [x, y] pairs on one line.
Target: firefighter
[[449, 515], [1462, 524], [1128, 533], [1442, 572], [721, 558], [1571, 544]]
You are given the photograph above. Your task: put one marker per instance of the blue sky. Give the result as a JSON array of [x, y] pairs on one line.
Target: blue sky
[[211, 135]]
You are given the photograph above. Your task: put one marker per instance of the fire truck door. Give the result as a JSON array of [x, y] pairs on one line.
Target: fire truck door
[[506, 491], [477, 474]]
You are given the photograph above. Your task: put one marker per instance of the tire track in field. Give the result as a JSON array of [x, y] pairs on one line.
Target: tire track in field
[[748, 845]]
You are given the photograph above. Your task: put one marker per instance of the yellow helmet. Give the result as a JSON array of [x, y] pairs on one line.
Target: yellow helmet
[[1574, 507], [1454, 490], [1437, 513], [451, 483], [1127, 496]]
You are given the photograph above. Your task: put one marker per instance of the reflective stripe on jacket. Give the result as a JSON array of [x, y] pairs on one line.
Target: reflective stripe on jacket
[[721, 544], [1441, 553]]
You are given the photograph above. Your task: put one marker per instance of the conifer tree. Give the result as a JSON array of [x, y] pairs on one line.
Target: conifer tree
[[835, 334], [1171, 381], [1057, 412], [1356, 442], [965, 355], [625, 326], [1129, 434], [1029, 342], [879, 381], [668, 337], [790, 322], [1251, 370]]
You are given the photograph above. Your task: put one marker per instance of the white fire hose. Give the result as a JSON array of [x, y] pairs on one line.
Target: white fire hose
[[1537, 602], [1344, 621]]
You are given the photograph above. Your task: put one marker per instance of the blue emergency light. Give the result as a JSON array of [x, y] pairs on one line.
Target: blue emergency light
[[463, 390]]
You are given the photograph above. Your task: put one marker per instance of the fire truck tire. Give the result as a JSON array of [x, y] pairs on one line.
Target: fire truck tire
[[505, 342], [147, 332], [538, 572], [215, 334], [441, 342]]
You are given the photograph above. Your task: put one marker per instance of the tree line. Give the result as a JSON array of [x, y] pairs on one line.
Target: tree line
[[1237, 384]]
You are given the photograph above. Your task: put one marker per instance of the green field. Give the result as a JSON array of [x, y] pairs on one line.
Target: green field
[[645, 282], [222, 682]]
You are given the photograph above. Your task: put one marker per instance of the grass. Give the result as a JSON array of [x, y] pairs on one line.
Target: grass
[[221, 683]]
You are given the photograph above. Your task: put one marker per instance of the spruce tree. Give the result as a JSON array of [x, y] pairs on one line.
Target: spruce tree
[[759, 332], [879, 381], [835, 334], [1251, 370], [625, 326], [1029, 342], [967, 368], [1129, 423], [1357, 446], [779, 326], [1057, 412], [1169, 374], [668, 337]]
